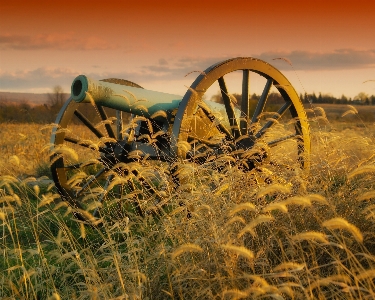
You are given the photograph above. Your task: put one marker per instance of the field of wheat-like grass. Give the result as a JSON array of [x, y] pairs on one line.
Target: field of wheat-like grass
[[275, 232]]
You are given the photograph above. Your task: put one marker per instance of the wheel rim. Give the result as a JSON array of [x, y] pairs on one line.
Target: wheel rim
[[191, 110]]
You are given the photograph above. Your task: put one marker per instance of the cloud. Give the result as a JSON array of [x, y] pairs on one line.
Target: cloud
[[340, 59], [186, 68], [40, 78], [44, 79], [52, 42], [159, 69], [163, 62], [181, 67]]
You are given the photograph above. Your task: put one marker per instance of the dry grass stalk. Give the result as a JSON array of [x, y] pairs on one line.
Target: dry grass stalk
[[240, 207], [366, 274], [234, 220], [310, 236], [340, 223], [251, 226], [189, 247], [239, 250], [362, 170], [303, 201], [290, 266], [234, 294], [330, 280], [366, 196], [47, 251], [275, 206], [274, 188]]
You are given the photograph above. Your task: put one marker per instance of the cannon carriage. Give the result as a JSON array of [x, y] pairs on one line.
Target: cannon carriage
[[132, 126]]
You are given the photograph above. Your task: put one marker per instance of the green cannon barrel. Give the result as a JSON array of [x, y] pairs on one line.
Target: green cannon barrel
[[134, 100], [125, 98]]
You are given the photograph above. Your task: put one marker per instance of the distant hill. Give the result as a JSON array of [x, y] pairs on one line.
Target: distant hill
[[30, 98]]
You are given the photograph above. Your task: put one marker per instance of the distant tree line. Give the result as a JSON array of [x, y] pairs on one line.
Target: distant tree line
[[360, 99], [274, 98], [24, 112]]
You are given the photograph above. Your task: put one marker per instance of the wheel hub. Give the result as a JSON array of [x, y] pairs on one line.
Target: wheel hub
[[246, 143]]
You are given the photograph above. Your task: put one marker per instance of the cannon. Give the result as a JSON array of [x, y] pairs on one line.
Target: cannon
[[114, 124]]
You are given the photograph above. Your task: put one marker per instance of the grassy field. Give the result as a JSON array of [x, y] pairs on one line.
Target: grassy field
[[365, 113], [271, 233]]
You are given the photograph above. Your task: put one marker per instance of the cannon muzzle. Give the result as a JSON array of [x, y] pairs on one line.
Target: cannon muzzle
[[125, 98]]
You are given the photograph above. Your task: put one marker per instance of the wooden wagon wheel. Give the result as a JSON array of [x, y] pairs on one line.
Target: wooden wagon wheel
[[198, 127], [99, 136]]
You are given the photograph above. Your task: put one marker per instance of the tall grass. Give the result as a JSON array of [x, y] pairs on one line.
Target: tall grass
[[274, 232]]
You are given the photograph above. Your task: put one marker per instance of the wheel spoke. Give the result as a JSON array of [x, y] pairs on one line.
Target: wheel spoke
[[276, 117], [216, 121], [104, 117], [277, 141], [83, 144], [229, 107], [262, 101], [119, 124], [245, 102], [91, 180], [87, 122]]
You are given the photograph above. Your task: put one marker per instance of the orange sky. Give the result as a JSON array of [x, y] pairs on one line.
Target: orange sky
[[156, 43]]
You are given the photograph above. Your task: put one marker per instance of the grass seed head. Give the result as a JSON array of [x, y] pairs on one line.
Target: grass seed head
[[275, 206], [274, 188], [366, 196], [251, 226], [189, 247], [362, 170], [290, 266], [242, 206], [235, 294], [310, 236], [239, 250], [340, 223]]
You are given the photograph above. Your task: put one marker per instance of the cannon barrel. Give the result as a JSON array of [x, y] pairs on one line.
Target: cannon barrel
[[134, 100], [125, 98]]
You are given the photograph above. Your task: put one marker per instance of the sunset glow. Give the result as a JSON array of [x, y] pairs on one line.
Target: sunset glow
[[156, 43]]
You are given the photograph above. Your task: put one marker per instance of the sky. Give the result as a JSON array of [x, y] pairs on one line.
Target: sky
[[158, 44]]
